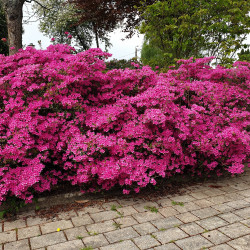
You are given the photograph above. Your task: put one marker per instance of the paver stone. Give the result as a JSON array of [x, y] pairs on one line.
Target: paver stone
[[47, 240], [95, 241], [82, 220], [125, 221], [222, 247], [9, 225], [216, 237], [101, 227], [167, 223], [168, 211], [7, 236], [17, 245], [242, 243], [28, 232], [187, 217], [75, 232], [170, 246], [230, 217], [203, 203], [244, 212], [205, 212], [193, 243], [72, 245], [145, 242], [235, 230], [125, 211], [142, 207], [53, 226], [192, 228], [145, 228], [127, 244], [169, 235], [212, 223], [103, 216], [147, 216], [121, 234]]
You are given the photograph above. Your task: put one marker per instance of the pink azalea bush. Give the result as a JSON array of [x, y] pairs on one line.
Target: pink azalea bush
[[64, 117]]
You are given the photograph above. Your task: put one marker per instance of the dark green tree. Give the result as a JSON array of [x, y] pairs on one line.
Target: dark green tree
[[185, 28], [152, 55], [244, 55]]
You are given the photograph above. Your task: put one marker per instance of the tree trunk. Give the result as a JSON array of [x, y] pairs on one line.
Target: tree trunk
[[96, 39], [96, 35], [14, 15]]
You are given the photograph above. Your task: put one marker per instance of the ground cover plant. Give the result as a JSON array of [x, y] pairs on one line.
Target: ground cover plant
[[63, 116]]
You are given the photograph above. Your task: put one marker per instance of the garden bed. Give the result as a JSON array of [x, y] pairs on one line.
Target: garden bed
[[65, 118]]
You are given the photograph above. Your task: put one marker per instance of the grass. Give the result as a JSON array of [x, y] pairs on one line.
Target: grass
[[114, 208], [117, 225], [151, 209], [178, 203], [87, 248], [37, 208], [92, 233], [153, 236], [79, 237], [2, 214]]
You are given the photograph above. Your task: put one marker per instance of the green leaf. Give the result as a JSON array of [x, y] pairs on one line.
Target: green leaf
[[2, 214]]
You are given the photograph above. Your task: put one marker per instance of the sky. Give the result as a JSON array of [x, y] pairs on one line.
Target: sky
[[120, 49]]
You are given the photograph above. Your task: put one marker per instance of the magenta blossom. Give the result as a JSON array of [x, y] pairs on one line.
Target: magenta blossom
[[65, 117]]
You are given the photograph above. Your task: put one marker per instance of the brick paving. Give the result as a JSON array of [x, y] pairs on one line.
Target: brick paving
[[212, 215]]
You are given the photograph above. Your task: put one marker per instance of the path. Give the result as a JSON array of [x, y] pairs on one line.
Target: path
[[212, 216]]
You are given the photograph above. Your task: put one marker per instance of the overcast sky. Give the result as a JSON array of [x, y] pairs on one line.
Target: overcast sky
[[120, 49]]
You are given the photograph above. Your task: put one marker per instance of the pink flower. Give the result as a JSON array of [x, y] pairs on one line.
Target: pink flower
[[64, 117], [12, 48], [69, 36], [4, 39], [125, 191], [66, 33], [52, 39]]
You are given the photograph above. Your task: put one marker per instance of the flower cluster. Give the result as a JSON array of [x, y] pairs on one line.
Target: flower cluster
[[64, 117]]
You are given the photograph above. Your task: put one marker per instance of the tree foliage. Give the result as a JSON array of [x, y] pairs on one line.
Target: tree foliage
[[107, 14], [244, 55], [57, 17], [152, 55], [185, 28]]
